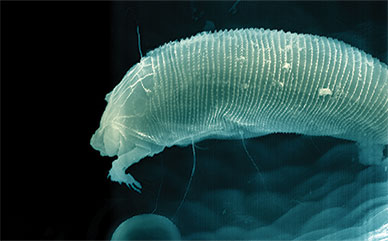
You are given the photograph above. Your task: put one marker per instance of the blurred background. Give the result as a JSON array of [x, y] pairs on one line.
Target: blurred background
[[59, 59]]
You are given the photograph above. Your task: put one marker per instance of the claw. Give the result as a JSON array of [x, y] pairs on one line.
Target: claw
[[132, 183], [135, 186], [121, 177]]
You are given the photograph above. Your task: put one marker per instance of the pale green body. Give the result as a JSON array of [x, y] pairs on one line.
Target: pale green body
[[241, 84]]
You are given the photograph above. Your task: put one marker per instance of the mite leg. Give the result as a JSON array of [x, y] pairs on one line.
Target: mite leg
[[117, 172]]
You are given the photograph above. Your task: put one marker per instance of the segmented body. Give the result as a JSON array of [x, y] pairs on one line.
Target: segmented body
[[261, 81], [240, 84]]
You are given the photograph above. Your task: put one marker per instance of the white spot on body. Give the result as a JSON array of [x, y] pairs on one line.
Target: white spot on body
[[288, 47], [241, 59], [324, 92], [287, 66]]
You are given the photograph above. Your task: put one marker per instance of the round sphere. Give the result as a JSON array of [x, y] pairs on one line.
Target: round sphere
[[147, 227]]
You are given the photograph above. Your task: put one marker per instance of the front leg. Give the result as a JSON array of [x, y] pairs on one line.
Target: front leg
[[117, 172]]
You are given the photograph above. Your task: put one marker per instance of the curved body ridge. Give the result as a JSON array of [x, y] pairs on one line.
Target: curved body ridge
[[247, 83], [269, 81]]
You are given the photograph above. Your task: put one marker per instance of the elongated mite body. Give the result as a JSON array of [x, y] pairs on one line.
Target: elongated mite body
[[248, 82]]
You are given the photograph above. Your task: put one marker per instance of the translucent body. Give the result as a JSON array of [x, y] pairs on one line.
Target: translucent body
[[243, 83]]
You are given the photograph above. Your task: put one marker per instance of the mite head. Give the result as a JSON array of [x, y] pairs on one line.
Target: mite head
[[107, 138], [111, 137], [123, 123]]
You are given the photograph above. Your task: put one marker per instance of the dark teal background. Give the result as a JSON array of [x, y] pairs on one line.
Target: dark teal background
[[59, 59]]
